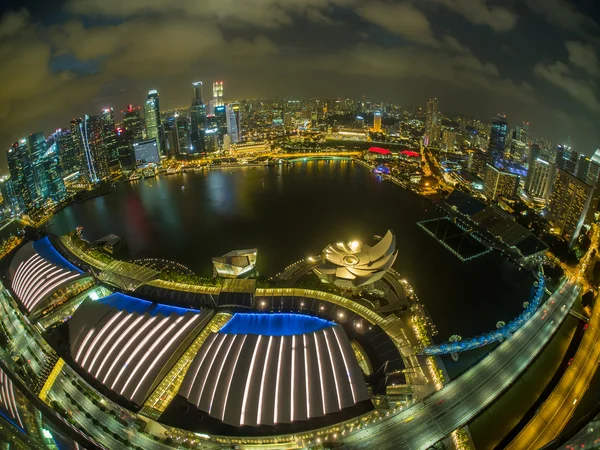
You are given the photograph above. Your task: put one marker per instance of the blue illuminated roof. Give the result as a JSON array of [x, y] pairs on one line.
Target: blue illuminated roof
[[133, 304], [278, 324], [47, 251]]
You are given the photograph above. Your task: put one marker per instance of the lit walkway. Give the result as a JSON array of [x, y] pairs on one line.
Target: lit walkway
[[556, 411]]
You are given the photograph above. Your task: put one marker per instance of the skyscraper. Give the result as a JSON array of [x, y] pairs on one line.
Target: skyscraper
[[377, 121], [151, 120], [109, 136], [198, 119], [22, 175], [234, 122], [154, 129], [182, 136], [498, 182], [95, 158], [68, 159], [52, 187], [218, 94], [540, 178], [431, 122], [498, 134], [566, 158], [133, 124], [583, 167], [36, 147], [569, 207]]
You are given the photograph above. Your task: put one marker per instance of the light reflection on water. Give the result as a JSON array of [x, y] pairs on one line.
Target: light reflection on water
[[292, 212]]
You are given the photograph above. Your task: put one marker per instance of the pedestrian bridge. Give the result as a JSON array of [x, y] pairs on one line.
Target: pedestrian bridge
[[495, 335]]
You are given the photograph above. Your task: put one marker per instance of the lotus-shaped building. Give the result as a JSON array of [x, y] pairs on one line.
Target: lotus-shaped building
[[352, 265]]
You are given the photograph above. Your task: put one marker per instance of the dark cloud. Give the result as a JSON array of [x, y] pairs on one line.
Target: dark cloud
[[110, 52]]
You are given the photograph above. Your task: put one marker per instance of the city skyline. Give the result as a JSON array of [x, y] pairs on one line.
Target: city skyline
[[533, 60]]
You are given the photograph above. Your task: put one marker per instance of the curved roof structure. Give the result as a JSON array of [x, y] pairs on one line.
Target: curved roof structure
[[255, 380], [37, 271], [125, 343], [352, 264]]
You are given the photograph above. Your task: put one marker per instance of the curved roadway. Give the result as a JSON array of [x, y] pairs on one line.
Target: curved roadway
[[461, 400]]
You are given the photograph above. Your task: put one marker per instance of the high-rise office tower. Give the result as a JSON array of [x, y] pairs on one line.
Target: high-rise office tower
[[197, 96], [221, 122], [593, 175], [151, 120], [566, 158], [22, 175], [153, 107], [540, 178], [51, 183], [218, 94], [234, 122], [377, 121], [90, 131], [197, 119], [67, 152], [569, 208], [478, 162], [449, 141], [497, 142], [9, 198], [583, 167], [109, 136], [183, 143], [431, 122], [36, 146], [132, 123], [498, 182]]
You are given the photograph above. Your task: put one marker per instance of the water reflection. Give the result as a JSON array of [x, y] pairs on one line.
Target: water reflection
[[291, 212]]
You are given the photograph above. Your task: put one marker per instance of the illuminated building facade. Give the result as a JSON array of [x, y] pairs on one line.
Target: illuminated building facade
[[152, 118], [234, 122], [497, 144], [352, 265], [235, 264], [198, 120], [540, 178], [432, 121], [478, 162], [146, 152], [68, 158], [498, 182], [90, 131], [22, 174], [218, 94], [109, 136], [132, 123], [377, 121], [569, 207]]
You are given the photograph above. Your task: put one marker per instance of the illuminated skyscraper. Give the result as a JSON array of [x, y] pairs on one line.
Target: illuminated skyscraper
[[377, 121], [198, 120], [95, 158], [540, 178], [432, 129], [67, 152], [51, 184], [498, 133], [109, 136], [218, 94], [132, 123], [22, 174], [151, 120], [569, 207], [499, 183], [234, 122], [182, 136], [154, 128]]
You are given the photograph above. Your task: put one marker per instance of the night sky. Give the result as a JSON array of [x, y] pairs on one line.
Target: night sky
[[535, 60]]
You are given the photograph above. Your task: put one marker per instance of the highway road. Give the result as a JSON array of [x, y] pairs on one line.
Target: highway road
[[554, 414], [459, 401]]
